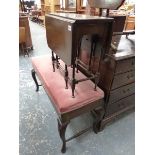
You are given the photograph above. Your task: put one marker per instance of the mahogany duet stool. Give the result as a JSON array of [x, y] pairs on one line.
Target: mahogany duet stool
[[67, 107]]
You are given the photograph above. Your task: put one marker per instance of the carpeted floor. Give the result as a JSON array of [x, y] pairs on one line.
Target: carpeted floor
[[38, 120]]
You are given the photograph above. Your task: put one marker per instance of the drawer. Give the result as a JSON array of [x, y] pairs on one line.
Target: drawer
[[125, 65], [123, 79], [121, 92], [120, 105]]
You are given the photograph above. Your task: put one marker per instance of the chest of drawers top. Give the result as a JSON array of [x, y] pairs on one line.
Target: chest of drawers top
[[121, 62], [78, 17]]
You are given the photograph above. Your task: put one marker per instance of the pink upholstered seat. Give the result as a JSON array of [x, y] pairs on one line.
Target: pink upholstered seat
[[54, 85]]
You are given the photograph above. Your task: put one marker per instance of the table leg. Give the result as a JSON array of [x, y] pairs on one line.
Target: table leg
[[73, 80], [53, 59], [66, 76]]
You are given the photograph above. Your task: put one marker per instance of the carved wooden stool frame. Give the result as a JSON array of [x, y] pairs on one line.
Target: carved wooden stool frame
[[65, 118]]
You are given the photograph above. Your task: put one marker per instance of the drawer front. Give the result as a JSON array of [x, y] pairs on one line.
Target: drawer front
[[125, 65], [123, 79], [120, 105], [122, 92]]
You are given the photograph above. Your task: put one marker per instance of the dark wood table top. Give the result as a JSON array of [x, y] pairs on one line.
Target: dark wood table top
[[74, 16]]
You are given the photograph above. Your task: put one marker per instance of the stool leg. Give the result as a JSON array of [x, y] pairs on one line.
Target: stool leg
[[98, 119], [33, 73], [62, 129], [96, 126]]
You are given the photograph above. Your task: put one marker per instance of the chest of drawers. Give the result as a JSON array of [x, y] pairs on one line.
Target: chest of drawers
[[117, 78], [119, 85]]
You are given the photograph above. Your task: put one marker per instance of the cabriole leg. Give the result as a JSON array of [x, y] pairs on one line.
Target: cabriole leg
[[62, 129], [33, 73], [97, 121]]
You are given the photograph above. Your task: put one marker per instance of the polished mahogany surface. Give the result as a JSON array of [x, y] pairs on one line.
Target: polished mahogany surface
[[74, 16]]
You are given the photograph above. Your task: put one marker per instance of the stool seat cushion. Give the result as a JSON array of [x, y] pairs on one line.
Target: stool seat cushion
[[54, 85]]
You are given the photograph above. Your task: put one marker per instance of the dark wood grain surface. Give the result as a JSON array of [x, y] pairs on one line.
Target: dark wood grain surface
[[24, 22]]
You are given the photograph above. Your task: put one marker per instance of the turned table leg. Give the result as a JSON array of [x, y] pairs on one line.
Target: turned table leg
[[57, 62], [53, 59], [66, 76], [73, 80]]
